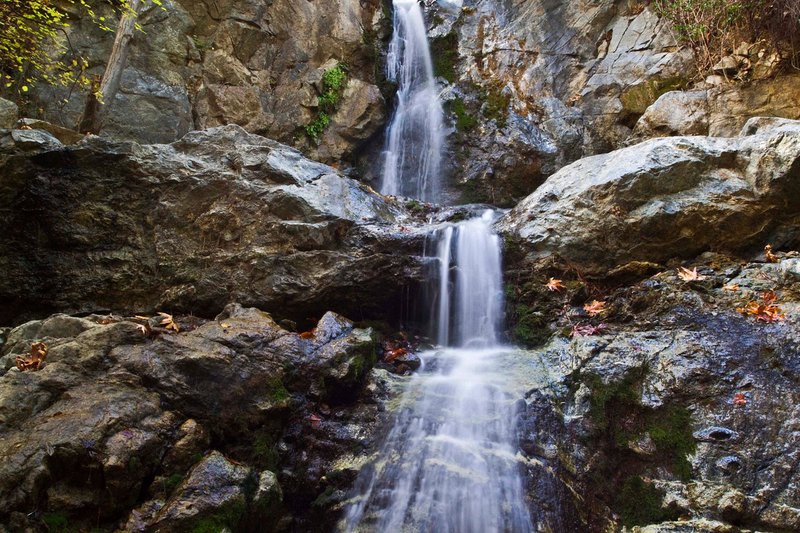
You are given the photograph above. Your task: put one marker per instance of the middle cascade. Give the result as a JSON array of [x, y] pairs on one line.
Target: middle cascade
[[450, 463], [415, 137]]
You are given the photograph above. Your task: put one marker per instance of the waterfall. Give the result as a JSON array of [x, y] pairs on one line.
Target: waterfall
[[414, 139], [450, 463]]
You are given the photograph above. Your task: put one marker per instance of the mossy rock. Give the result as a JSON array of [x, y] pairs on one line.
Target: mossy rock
[[636, 99], [444, 51]]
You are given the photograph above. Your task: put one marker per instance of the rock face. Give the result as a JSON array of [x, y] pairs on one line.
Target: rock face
[[246, 62], [124, 415], [536, 84], [680, 414], [220, 215], [667, 198], [8, 113]]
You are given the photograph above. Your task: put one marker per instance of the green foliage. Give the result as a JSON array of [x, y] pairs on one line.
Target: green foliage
[[56, 522], [34, 46], [714, 27], [315, 128], [464, 120], [496, 105], [172, 482], [444, 51], [333, 83], [640, 503]]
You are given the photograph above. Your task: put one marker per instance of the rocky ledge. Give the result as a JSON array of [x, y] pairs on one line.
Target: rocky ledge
[[219, 216], [130, 424]]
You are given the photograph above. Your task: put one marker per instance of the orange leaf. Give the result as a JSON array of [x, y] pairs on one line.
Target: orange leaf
[[769, 256], [555, 285], [307, 335], [739, 399], [595, 307]]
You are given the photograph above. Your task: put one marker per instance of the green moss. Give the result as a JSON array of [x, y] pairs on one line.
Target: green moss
[[640, 503], [616, 410], [532, 326], [56, 522], [230, 517], [444, 51], [495, 105], [172, 482], [415, 207], [277, 390], [638, 98], [465, 121], [265, 451], [671, 431], [324, 500]]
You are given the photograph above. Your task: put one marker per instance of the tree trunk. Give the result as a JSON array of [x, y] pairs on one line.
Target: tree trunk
[[100, 98]]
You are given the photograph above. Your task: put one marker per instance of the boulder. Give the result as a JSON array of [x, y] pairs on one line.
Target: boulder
[[220, 215], [666, 198], [215, 494], [674, 113]]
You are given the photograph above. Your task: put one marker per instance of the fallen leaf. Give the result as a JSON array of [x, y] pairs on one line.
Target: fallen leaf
[[690, 275], [769, 256], [765, 310], [169, 323], [731, 287], [315, 420], [35, 360], [595, 307], [739, 399], [307, 335], [555, 285], [394, 354], [583, 330]]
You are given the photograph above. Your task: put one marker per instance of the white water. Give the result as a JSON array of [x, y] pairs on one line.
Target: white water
[[414, 139], [450, 463]]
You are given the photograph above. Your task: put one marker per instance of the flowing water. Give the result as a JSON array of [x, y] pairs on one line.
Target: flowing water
[[450, 463], [414, 139]]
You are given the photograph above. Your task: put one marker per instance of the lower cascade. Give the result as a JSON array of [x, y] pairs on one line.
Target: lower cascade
[[450, 463]]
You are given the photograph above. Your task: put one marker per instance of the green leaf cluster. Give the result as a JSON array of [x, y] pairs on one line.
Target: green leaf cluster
[[333, 83], [35, 46]]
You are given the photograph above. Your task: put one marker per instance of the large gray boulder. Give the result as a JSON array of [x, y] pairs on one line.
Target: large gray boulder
[[667, 198], [220, 215]]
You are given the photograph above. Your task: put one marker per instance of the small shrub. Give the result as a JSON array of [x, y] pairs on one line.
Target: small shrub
[[713, 28], [333, 83]]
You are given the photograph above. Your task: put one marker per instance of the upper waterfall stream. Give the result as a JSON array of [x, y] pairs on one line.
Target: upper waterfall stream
[[414, 139]]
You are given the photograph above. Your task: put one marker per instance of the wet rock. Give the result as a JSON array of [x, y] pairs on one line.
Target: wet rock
[[665, 198], [215, 495], [220, 215], [683, 399], [116, 419], [8, 113]]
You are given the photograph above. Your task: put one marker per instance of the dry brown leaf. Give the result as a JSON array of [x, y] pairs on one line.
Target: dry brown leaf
[[168, 322], [35, 360], [555, 285], [690, 275], [769, 256], [731, 287]]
